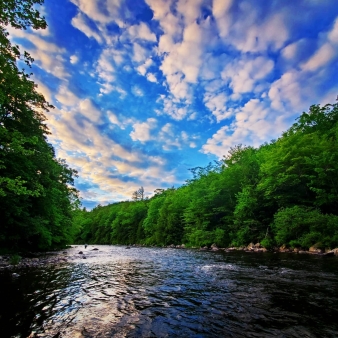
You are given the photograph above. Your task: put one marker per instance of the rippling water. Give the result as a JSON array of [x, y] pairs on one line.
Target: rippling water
[[150, 292]]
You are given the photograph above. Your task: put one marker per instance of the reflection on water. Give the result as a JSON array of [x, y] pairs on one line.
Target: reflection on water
[[149, 292]]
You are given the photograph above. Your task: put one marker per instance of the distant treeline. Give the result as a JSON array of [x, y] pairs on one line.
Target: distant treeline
[[284, 192]]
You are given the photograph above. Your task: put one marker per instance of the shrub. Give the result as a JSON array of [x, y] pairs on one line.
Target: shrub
[[302, 226], [15, 259]]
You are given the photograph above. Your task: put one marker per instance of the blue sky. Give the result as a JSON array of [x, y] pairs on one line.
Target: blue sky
[[146, 89]]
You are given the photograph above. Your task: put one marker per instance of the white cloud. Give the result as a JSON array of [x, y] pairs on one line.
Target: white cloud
[[142, 130], [244, 73], [289, 52], [151, 77], [323, 55], [114, 119], [220, 11], [92, 10], [67, 97], [137, 91], [142, 69], [141, 32], [44, 90], [252, 125], [79, 22], [88, 110], [190, 9], [181, 45], [176, 112], [217, 105], [140, 53], [333, 34], [250, 34], [74, 59], [47, 55]]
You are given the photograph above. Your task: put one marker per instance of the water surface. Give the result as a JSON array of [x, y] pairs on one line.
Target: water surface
[[153, 292]]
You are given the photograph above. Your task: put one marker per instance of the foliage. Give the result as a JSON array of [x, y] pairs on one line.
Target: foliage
[[15, 259], [282, 193], [301, 226], [36, 193]]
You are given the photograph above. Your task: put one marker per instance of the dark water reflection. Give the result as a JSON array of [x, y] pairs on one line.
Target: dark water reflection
[[145, 292]]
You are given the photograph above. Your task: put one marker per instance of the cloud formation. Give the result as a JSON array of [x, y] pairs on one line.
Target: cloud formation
[[144, 90]]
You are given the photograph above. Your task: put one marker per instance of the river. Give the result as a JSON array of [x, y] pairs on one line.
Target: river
[[162, 292]]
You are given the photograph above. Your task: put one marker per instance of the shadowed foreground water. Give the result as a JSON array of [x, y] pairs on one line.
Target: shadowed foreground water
[[150, 292]]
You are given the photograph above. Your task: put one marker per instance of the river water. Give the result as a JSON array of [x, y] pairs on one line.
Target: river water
[[153, 292]]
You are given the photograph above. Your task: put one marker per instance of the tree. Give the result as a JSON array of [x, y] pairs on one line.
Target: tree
[[36, 193], [138, 195]]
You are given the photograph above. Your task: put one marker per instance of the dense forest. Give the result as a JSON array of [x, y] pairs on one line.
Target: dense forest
[[283, 193], [36, 193]]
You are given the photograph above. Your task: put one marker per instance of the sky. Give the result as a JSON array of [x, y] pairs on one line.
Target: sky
[[144, 90]]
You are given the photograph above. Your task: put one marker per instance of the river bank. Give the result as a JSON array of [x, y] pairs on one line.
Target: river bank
[[65, 256]]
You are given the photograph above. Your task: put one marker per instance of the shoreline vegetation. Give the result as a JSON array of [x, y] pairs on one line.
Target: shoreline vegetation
[[283, 194]]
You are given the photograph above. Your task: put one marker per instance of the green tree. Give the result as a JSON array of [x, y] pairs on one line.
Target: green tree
[[36, 193]]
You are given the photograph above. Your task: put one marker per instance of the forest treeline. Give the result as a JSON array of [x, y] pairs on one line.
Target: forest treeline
[[283, 193], [36, 193]]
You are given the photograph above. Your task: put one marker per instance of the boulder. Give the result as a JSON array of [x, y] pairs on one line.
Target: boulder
[[257, 245], [316, 248], [95, 249], [251, 246], [80, 253]]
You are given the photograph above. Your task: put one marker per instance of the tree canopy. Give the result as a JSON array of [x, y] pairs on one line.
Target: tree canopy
[[36, 193]]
